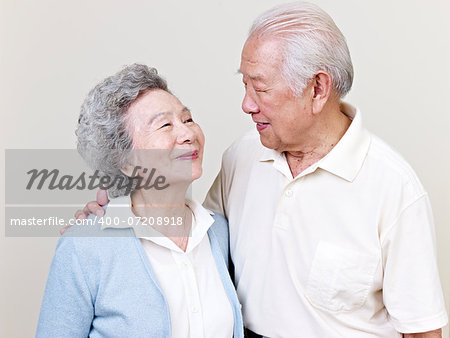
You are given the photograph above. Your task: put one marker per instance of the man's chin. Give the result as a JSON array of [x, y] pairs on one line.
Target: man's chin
[[269, 143]]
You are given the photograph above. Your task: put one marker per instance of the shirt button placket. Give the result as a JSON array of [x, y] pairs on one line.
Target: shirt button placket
[[281, 220], [289, 193], [193, 296]]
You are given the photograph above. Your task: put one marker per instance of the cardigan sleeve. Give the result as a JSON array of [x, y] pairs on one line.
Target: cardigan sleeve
[[220, 229], [67, 308]]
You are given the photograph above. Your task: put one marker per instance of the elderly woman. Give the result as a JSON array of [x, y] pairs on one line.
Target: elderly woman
[[158, 267]]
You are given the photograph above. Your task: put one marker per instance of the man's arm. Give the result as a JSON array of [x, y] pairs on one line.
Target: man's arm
[[412, 290], [430, 334]]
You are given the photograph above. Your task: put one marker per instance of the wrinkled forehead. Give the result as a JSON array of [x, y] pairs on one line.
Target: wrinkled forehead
[[155, 101], [261, 58]]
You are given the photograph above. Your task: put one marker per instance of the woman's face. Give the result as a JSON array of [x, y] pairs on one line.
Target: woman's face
[[163, 131]]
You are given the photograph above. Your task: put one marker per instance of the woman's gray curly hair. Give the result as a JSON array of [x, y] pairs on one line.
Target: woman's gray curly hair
[[103, 139]]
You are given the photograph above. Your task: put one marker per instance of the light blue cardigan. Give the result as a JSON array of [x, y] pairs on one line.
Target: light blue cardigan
[[106, 287]]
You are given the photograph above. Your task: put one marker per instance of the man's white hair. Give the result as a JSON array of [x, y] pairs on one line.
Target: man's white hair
[[312, 42]]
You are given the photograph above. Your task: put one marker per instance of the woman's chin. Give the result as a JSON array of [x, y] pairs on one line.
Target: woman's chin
[[196, 174]]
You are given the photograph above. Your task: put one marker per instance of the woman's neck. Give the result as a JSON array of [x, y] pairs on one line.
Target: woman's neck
[[166, 211]]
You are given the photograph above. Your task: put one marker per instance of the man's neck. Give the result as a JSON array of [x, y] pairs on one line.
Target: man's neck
[[329, 131]]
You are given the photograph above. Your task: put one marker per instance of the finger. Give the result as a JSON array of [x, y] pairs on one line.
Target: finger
[[93, 208], [80, 214], [63, 230], [102, 197]]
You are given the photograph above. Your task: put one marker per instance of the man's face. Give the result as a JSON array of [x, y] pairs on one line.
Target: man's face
[[281, 118]]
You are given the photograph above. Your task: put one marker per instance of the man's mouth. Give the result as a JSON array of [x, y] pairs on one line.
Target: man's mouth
[[261, 125], [192, 155]]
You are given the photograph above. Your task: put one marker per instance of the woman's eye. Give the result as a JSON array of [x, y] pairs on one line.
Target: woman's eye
[[189, 120], [166, 125]]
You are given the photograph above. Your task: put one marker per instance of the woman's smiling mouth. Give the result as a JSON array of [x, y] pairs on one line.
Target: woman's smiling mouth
[[192, 155]]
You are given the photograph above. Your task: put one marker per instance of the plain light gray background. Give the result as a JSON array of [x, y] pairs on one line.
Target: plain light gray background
[[52, 52]]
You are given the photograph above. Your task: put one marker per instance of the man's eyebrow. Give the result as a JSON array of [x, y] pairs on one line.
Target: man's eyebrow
[[185, 109], [257, 77]]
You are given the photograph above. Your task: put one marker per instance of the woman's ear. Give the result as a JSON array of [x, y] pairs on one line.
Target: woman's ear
[[129, 170]]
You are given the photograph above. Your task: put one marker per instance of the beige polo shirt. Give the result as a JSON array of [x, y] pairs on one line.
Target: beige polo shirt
[[345, 249]]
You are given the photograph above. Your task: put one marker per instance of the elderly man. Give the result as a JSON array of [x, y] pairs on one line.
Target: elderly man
[[331, 232]]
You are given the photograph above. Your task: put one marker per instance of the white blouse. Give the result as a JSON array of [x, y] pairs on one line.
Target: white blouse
[[198, 304]]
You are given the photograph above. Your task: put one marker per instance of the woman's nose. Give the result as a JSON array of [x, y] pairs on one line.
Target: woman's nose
[[185, 134]]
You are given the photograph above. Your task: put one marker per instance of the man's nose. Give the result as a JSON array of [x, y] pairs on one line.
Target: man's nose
[[249, 105]]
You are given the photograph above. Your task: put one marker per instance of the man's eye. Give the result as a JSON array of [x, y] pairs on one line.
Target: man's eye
[[189, 120], [165, 125]]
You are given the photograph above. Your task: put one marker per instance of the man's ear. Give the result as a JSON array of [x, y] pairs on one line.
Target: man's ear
[[322, 86]]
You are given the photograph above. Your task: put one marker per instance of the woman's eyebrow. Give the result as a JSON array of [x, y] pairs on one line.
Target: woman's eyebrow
[[157, 115], [185, 109]]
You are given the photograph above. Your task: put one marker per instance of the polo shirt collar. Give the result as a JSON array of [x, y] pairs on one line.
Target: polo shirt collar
[[347, 157], [344, 160]]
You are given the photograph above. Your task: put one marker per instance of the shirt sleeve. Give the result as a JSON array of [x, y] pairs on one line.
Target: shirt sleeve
[[412, 291], [67, 307], [216, 198]]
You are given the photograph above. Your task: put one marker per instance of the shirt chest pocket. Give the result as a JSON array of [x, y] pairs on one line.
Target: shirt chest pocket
[[340, 279]]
